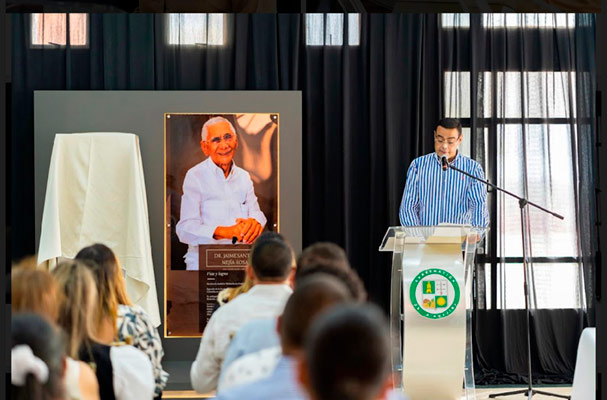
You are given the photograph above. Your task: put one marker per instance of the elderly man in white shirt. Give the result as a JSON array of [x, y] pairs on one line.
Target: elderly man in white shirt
[[218, 205], [271, 268]]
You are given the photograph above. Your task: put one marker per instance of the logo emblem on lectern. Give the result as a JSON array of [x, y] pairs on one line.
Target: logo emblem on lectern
[[434, 293]]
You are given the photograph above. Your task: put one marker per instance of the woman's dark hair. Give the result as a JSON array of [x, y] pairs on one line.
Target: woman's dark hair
[[47, 344]]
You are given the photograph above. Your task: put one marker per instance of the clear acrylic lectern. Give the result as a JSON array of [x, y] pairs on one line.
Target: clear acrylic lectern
[[430, 309]]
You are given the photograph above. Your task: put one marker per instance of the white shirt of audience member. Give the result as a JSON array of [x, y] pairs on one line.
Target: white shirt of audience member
[[262, 301], [132, 374]]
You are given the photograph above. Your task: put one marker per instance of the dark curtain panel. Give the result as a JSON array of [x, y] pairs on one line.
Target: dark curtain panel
[[368, 110]]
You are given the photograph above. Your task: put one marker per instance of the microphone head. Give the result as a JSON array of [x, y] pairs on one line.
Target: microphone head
[[234, 239], [444, 162]]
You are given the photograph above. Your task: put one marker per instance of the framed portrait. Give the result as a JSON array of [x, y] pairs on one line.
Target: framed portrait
[[221, 193]]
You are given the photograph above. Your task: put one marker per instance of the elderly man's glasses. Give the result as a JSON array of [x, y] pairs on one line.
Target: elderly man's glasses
[[227, 137], [450, 141]]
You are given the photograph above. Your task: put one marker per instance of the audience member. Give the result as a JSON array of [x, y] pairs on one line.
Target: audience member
[[269, 268], [322, 257], [331, 259], [36, 291], [123, 372], [347, 355], [37, 359], [121, 320], [311, 297], [228, 294]]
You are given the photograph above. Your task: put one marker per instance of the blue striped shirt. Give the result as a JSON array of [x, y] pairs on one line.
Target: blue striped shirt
[[433, 196]]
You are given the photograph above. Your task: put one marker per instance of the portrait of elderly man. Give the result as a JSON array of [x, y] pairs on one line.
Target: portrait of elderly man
[[218, 205]]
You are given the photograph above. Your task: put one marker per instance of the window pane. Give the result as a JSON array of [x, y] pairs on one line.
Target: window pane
[[314, 29], [50, 29], [216, 29], [557, 285], [450, 20], [353, 29], [328, 29], [196, 29], [550, 183], [334, 34], [457, 94], [547, 94]]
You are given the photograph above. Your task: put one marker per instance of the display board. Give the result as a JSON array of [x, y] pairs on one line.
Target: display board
[[144, 114]]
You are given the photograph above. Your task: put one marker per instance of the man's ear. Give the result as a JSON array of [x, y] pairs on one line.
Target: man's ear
[[63, 367], [279, 324], [302, 376], [250, 273], [387, 386], [291, 278], [204, 146]]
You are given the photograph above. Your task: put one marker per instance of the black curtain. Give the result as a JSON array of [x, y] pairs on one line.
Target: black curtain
[[368, 110]]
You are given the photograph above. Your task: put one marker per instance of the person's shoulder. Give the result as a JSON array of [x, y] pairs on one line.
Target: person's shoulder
[[197, 169], [130, 356], [424, 158], [469, 162], [241, 172]]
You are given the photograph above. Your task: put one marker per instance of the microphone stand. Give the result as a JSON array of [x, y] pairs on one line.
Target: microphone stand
[[522, 203]]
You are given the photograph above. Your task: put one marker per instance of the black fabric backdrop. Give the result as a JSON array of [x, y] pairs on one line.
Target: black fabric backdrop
[[368, 110]]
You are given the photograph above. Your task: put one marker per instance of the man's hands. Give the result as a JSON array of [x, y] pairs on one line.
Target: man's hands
[[245, 230], [250, 229]]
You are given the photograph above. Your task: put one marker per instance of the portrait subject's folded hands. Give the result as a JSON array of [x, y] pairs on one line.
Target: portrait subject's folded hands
[[250, 229]]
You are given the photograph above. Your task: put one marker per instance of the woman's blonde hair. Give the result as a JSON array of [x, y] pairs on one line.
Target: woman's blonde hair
[[77, 310], [110, 282], [230, 293], [35, 291]]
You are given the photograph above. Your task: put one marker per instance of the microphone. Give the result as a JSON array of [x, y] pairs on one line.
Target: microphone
[[444, 162], [234, 239]]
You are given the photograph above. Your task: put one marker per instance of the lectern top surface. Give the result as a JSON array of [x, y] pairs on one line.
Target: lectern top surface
[[439, 234]]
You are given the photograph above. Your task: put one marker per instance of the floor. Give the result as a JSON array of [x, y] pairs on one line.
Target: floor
[[481, 393]]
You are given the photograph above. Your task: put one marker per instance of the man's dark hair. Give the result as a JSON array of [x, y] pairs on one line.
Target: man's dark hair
[[320, 252], [449, 123], [312, 295], [347, 276], [271, 258], [347, 350], [329, 258]]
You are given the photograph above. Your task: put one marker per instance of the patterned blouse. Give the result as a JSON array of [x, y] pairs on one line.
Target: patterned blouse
[[135, 328]]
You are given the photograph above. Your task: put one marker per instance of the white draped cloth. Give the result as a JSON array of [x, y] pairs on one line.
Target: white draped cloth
[[95, 193]]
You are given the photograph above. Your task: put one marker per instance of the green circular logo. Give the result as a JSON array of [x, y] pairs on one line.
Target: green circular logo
[[434, 293]]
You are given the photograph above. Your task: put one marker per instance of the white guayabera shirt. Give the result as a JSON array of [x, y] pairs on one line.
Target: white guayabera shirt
[[210, 200]]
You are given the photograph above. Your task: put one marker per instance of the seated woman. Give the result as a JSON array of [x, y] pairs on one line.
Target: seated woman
[[35, 291], [119, 319], [37, 359], [123, 372]]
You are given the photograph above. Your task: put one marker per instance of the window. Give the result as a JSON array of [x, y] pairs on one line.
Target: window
[[328, 29], [533, 137], [50, 30], [450, 20], [511, 20], [196, 29]]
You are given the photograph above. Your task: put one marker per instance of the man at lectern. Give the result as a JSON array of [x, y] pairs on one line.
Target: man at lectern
[[218, 205], [436, 194]]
